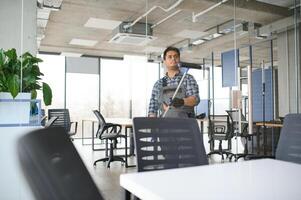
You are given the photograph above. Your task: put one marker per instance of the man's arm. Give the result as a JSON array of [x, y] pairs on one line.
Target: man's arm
[[192, 92], [153, 103]]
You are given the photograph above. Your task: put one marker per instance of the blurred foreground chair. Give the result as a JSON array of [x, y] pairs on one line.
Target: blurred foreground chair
[[53, 167]]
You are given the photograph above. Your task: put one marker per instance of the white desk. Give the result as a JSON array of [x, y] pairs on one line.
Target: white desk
[[249, 180], [13, 185]]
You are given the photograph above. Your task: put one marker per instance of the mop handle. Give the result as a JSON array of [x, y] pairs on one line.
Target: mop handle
[[176, 92]]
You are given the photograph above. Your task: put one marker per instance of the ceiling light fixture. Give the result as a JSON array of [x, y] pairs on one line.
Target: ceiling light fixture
[[54, 5], [198, 42], [83, 42]]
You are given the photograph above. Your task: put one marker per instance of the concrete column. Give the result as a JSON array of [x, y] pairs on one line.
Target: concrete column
[[11, 12], [287, 72]]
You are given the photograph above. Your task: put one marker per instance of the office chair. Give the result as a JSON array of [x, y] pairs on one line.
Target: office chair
[[220, 129], [233, 114], [165, 143], [53, 167], [63, 120], [50, 122], [108, 131], [289, 144]]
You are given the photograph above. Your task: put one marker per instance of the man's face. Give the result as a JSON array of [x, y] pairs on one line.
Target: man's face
[[172, 59]]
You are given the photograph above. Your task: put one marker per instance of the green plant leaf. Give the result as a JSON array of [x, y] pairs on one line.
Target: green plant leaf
[[33, 94], [47, 94], [2, 58], [11, 54], [13, 85]]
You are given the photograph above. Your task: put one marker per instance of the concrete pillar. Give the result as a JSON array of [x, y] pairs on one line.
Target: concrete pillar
[[11, 12], [287, 84]]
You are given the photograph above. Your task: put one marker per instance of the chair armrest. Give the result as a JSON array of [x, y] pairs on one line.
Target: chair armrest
[[112, 128], [75, 126], [255, 157]]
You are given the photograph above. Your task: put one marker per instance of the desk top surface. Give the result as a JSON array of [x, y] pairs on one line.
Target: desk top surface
[[257, 179], [122, 121], [269, 124]]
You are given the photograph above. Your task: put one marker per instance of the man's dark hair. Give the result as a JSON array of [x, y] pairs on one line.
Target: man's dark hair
[[171, 49]]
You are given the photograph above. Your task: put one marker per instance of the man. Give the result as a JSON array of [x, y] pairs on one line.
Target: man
[[163, 90]]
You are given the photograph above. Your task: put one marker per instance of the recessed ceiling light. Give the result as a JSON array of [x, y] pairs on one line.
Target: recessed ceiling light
[[153, 49], [190, 34], [197, 42], [71, 54], [216, 35], [82, 42], [102, 23]]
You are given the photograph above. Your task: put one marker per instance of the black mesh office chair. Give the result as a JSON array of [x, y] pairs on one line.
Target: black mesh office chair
[[53, 168], [165, 143], [220, 129], [50, 122], [234, 119], [289, 144], [63, 120], [108, 131]]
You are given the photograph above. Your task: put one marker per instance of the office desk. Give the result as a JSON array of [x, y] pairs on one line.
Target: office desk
[[266, 125], [257, 179]]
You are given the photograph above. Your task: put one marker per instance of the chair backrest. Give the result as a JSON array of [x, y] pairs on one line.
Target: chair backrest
[[165, 143], [53, 167], [234, 119], [50, 122], [289, 144], [63, 119], [101, 122], [220, 124]]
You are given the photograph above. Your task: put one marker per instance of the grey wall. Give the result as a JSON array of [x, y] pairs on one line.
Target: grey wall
[[287, 83], [10, 23]]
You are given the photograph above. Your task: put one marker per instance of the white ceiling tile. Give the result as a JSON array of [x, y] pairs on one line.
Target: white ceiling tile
[[190, 34], [83, 42], [154, 49], [71, 54], [102, 23]]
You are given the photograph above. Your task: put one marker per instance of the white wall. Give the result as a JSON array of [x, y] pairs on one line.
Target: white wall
[[10, 23]]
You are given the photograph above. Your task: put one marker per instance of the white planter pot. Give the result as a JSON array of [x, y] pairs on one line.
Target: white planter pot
[[14, 112]]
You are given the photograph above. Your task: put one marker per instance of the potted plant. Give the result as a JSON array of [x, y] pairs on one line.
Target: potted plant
[[19, 75]]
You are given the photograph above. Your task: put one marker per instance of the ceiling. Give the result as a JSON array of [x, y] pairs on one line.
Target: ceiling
[[69, 23]]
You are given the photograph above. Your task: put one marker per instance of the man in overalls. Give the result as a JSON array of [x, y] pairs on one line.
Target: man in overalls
[[187, 97]]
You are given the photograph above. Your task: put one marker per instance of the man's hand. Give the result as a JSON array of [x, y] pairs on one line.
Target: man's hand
[[177, 102]]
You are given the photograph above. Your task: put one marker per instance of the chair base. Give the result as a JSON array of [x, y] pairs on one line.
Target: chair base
[[221, 153], [238, 156], [112, 159]]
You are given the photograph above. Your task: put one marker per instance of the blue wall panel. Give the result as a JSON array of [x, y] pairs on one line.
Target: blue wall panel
[[229, 70], [258, 98]]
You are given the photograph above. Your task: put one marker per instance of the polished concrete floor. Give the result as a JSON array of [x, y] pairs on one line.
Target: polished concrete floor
[[107, 179]]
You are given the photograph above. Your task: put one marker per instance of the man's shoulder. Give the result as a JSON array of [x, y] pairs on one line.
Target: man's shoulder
[[158, 82], [190, 77]]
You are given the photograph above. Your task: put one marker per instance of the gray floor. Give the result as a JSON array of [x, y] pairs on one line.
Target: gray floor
[[107, 180]]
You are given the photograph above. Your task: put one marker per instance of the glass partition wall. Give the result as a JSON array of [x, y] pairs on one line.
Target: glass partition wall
[[266, 36], [119, 88]]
